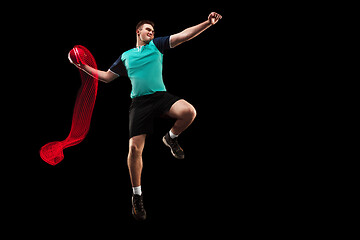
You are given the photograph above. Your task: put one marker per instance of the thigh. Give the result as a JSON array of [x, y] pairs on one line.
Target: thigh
[[141, 120], [179, 108], [164, 104]]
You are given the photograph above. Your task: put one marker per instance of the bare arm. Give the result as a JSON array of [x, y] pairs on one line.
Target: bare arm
[[194, 31], [106, 77], [103, 76]]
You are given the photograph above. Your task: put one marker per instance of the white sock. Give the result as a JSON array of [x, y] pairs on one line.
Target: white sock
[[137, 190], [172, 135]]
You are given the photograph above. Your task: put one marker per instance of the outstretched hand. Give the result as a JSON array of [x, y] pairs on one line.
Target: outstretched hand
[[78, 65], [214, 18]]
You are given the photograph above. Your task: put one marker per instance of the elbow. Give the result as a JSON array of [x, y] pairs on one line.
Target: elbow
[[107, 80], [104, 79], [185, 36], [177, 39], [108, 77]]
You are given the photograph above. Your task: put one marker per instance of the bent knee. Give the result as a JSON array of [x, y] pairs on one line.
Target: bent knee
[[191, 112]]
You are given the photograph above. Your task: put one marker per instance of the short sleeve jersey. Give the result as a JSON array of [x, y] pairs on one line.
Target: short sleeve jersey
[[143, 65]]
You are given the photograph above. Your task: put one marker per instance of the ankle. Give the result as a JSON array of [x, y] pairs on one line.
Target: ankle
[[172, 135], [137, 190]]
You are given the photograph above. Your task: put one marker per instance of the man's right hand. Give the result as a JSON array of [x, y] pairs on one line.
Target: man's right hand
[[73, 61]]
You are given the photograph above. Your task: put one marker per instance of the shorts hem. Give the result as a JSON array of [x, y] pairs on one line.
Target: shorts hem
[[138, 134], [145, 109]]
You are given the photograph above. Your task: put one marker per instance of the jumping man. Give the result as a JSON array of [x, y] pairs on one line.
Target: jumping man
[[143, 65]]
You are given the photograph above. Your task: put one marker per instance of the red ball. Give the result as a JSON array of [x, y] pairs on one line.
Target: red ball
[[76, 54]]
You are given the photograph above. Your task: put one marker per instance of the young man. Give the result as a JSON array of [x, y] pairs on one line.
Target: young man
[[143, 65]]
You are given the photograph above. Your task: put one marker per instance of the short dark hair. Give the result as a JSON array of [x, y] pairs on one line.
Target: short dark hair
[[142, 22]]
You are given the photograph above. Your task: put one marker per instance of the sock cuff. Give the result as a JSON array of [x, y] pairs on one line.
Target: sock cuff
[[172, 135], [137, 190]]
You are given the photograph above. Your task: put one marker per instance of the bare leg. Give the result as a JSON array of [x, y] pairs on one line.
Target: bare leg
[[184, 113], [135, 164]]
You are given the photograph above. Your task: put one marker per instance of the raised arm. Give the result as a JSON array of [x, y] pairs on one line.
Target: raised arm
[[192, 32]]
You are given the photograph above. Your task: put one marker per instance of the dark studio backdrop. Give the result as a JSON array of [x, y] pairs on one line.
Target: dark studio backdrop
[[92, 183], [220, 72]]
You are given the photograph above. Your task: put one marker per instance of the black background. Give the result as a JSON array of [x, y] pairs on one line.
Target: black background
[[236, 149]]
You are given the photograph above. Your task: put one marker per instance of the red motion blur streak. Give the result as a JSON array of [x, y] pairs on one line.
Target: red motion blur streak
[[52, 152]]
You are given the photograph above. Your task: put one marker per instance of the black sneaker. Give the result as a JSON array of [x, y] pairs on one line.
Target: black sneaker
[[138, 210], [173, 144]]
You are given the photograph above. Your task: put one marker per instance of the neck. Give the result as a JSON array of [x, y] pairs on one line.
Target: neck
[[140, 43]]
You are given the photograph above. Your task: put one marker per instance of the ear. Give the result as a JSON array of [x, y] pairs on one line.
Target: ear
[[138, 31]]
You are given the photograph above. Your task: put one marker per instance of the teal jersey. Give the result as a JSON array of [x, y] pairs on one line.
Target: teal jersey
[[144, 67]]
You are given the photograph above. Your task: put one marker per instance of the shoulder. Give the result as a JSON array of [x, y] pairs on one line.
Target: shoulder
[[118, 66], [126, 53], [161, 43], [160, 40]]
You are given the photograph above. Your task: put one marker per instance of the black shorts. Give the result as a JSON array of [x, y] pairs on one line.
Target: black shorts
[[144, 109]]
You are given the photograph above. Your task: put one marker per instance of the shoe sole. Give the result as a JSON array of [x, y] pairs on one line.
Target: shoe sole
[[166, 144]]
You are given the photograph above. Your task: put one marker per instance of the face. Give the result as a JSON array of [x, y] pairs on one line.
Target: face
[[146, 33]]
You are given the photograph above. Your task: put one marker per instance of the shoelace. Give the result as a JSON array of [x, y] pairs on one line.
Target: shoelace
[[139, 205], [174, 144]]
